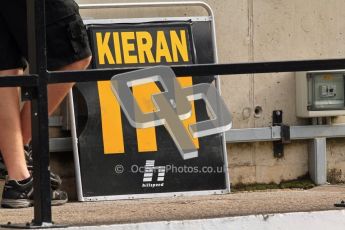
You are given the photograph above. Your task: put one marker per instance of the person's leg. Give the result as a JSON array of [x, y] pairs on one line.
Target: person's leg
[[18, 192], [56, 93], [11, 143]]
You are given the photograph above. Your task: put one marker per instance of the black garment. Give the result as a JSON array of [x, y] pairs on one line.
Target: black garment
[[58, 9], [67, 40], [55, 9]]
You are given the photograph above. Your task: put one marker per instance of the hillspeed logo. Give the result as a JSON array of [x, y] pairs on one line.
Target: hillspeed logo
[[150, 171]]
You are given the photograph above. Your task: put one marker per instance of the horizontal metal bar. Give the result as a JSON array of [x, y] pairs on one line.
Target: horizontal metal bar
[[85, 75], [251, 135], [55, 121], [311, 132], [206, 69], [61, 144], [245, 135], [13, 81], [148, 4], [274, 133], [146, 20]]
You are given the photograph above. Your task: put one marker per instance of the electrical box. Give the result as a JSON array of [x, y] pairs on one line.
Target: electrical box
[[320, 93]]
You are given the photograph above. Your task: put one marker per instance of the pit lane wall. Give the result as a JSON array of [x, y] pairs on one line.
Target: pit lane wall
[[266, 30]]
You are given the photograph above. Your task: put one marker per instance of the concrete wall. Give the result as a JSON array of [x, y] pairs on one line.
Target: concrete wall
[[264, 30]]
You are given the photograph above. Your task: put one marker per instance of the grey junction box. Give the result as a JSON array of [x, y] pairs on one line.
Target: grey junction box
[[320, 93]]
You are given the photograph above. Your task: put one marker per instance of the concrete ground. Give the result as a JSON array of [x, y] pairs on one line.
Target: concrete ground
[[184, 208]]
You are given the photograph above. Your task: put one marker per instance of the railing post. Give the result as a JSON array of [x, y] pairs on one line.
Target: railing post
[[39, 112]]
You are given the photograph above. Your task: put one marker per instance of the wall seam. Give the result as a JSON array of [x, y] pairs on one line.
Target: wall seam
[[250, 34]]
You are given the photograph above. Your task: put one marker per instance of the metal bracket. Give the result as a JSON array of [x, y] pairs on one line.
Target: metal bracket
[[285, 134], [278, 146], [28, 93]]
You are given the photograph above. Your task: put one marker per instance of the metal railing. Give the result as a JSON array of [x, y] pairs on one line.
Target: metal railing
[[35, 85]]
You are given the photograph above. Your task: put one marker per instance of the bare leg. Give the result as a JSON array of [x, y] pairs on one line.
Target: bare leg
[[56, 93], [11, 140]]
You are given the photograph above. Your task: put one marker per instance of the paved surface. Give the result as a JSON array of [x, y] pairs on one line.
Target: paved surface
[[319, 220], [183, 208]]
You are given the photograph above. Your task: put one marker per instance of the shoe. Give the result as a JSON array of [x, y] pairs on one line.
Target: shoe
[[55, 179], [16, 195], [3, 171]]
